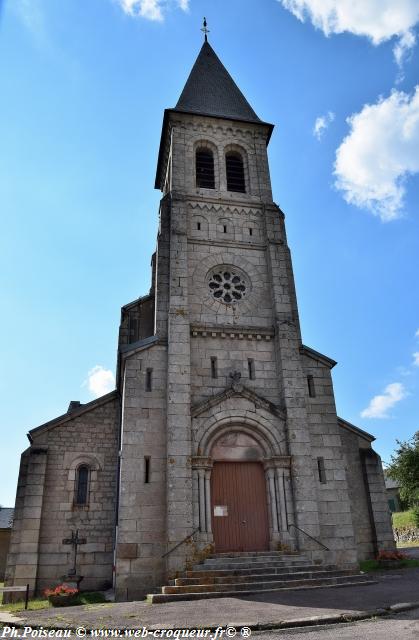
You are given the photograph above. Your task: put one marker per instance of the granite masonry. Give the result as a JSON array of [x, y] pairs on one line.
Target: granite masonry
[[213, 381]]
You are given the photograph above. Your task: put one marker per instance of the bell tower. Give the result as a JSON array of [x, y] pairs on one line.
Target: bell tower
[[231, 303]]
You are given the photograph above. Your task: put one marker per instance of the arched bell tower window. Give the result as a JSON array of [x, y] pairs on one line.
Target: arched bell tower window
[[82, 485], [204, 165], [235, 172]]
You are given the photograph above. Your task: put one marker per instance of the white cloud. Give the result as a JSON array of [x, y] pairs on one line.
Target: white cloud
[[403, 52], [380, 152], [378, 20], [380, 405], [184, 5], [403, 47], [416, 359], [417, 333], [100, 381], [150, 9], [321, 124]]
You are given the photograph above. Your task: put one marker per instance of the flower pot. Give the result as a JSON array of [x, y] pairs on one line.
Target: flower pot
[[65, 600]]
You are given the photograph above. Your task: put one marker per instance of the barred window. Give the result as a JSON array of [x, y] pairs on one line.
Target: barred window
[[235, 172], [82, 484], [204, 164]]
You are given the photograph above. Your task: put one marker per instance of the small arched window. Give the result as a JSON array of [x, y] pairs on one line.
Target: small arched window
[[235, 172], [82, 484], [204, 164]]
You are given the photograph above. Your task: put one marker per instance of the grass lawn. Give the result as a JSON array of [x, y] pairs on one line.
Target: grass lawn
[[93, 597], [403, 519], [373, 565]]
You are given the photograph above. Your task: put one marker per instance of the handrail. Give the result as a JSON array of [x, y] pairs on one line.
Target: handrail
[[309, 536], [181, 542]]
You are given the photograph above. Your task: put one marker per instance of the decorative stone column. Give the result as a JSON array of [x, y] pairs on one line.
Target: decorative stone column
[[280, 501], [202, 468]]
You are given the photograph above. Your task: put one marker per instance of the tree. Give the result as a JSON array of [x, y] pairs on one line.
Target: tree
[[404, 468]]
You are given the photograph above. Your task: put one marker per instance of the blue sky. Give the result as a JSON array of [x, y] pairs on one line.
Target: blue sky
[[83, 88]]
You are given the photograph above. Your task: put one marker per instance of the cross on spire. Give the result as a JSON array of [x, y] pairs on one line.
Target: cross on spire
[[205, 30]]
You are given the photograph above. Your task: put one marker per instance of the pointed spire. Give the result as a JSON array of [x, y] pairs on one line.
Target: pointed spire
[[210, 90]]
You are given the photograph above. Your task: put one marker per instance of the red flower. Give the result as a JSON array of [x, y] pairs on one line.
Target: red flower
[[61, 590]]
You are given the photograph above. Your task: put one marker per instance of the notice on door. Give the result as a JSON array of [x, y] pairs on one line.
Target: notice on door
[[220, 511]]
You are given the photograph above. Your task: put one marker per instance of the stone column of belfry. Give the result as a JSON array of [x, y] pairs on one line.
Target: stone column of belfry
[[293, 382], [179, 468]]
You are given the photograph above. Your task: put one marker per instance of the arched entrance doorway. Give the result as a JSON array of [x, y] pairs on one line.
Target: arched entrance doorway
[[239, 509]]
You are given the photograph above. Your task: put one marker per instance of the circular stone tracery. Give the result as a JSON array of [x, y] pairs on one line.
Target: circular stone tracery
[[227, 285]]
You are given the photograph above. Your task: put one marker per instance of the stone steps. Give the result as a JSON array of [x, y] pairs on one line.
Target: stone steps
[[248, 565], [262, 585], [233, 574], [254, 560], [255, 570], [252, 554], [266, 577], [157, 598]]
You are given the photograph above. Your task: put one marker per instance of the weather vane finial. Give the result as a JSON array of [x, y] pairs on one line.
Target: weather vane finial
[[205, 30]]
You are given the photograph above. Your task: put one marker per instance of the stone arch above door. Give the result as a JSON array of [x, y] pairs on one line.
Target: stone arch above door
[[236, 446], [246, 434], [267, 432]]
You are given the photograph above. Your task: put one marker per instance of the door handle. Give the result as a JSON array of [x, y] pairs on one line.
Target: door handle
[[244, 522]]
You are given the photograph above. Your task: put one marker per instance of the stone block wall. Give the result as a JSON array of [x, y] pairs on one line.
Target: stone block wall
[[233, 354], [137, 320], [379, 504], [189, 132], [364, 529], [333, 493], [141, 534], [22, 560], [46, 512], [92, 439]]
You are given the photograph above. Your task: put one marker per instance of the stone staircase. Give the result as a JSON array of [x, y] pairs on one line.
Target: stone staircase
[[234, 574]]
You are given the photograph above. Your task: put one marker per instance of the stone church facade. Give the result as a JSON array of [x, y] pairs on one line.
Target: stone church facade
[[222, 431]]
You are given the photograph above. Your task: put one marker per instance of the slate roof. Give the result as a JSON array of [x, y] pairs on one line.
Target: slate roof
[[6, 517], [392, 484], [70, 415], [359, 432], [210, 90]]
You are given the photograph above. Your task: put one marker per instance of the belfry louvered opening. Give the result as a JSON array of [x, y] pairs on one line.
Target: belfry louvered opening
[[204, 163], [235, 172]]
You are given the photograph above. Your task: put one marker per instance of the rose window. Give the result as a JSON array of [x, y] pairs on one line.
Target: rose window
[[227, 285]]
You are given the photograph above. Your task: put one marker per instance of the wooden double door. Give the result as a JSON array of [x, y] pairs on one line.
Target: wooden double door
[[239, 507]]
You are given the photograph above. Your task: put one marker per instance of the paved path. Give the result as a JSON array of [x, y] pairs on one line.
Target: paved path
[[413, 552], [404, 626], [392, 587]]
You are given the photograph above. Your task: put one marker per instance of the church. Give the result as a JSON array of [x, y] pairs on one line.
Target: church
[[221, 439]]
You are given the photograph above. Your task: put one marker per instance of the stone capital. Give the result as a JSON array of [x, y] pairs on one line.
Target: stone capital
[[202, 462], [277, 462]]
